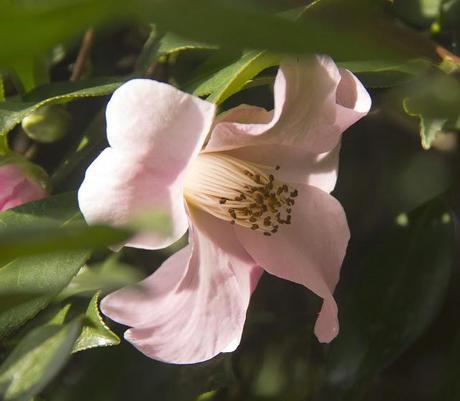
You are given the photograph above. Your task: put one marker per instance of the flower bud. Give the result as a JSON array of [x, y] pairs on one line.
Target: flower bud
[[47, 124], [20, 182]]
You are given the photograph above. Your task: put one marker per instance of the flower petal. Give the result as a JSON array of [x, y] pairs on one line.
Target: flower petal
[[155, 131], [194, 306], [297, 166], [118, 189], [314, 103], [310, 251], [158, 121], [16, 189]]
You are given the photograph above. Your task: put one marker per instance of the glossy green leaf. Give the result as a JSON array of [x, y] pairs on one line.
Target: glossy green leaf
[[95, 332], [398, 292], [28, 284], [172, 43], [36, 360], [12, 112], [232, 78]]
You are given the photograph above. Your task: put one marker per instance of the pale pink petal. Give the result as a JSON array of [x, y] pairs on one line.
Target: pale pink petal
[[155, 132], [309, 251], [118, 190], [314, 103], [353, 101], [17, 189], [159, 121], [296, 165], [194, 306], [245, 114], [10, 176]]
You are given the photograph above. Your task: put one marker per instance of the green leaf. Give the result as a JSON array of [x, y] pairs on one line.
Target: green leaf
[[429, 129], [95, 333], [2, 89], [149, 53], [39, 239], [397, 294], [172, 43], [12, 112], [29, 73], [254, 29], [449, 388], [4, 148], [107, 276], [381, 74], [34, 27], [435, 101], [232, 78], [421, 13], [450, 14], [28, 284], [36, 360]]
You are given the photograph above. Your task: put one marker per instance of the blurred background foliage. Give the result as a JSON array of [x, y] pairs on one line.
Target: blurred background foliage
[[399, 169]]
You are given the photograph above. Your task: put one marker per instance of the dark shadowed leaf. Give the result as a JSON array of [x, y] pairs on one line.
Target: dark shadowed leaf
[[398, 292]]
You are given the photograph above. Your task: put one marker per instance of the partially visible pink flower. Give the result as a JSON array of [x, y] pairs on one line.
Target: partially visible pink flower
[[252, 186], [17, 188]]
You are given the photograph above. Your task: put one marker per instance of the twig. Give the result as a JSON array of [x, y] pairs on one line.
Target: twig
[[85, 48]]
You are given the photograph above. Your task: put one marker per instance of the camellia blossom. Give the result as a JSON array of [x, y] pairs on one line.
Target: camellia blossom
[[251, 186], [17, 188]]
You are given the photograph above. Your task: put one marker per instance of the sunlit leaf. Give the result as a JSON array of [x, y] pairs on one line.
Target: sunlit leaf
[[94, 333], [233, 78], [172, 43]]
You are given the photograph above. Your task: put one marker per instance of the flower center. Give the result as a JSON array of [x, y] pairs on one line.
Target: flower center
[[240, 192]]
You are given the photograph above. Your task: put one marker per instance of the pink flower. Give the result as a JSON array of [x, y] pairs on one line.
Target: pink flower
[[17, 188], [252, 186]]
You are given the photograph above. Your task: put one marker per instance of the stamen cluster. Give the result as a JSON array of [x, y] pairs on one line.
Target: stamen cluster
[[240, 192]]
